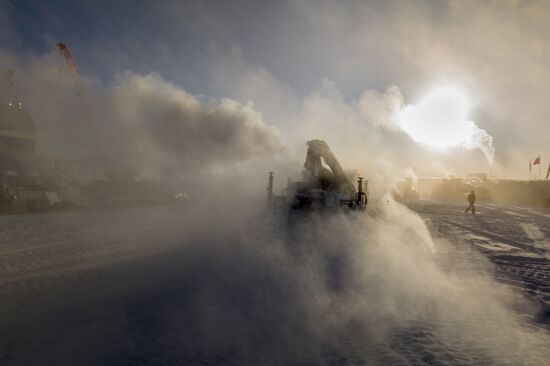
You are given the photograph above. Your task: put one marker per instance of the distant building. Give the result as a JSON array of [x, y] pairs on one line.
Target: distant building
[[406, 190], [82, 170], [519, 192], [477, 177], [17, 138], [426, 186]]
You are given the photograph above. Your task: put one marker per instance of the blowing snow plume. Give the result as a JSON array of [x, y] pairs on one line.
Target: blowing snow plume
[[376, 289], [440, 121]]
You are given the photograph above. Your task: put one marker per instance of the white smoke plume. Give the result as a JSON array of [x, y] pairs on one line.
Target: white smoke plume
[[481, 139]]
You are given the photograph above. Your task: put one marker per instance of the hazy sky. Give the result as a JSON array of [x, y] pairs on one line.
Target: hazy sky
[[285, 55]]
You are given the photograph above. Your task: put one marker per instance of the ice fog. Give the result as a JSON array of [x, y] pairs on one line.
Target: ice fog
[[254, 288]]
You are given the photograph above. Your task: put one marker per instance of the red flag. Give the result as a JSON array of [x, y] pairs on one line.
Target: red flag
[[537, 161]]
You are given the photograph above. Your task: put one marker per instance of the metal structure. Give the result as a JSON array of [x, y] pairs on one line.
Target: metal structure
[[6, 86], [317, 175], [17, 138], [69, 69], [322, 188]]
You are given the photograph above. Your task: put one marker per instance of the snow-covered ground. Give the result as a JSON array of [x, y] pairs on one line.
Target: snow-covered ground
[[145, 286], [515, 239]]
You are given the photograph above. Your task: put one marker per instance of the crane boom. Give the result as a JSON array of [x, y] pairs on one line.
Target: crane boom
[[318, 149], [67, 67]]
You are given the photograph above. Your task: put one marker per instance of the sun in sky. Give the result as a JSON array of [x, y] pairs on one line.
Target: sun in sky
[[440, 119]]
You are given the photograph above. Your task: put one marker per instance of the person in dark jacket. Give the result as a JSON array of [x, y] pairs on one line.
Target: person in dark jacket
[[472, 201]]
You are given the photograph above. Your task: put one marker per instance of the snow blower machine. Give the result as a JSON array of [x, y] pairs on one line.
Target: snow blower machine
[[325, 185]]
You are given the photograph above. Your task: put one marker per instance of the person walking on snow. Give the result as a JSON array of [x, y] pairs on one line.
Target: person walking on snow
[[471, 200]]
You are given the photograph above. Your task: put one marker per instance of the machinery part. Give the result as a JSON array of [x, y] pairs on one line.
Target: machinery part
[[67, 66], [334, 179], [361, 198]]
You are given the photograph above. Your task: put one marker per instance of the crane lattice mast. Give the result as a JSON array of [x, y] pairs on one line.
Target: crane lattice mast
[[68, 68]]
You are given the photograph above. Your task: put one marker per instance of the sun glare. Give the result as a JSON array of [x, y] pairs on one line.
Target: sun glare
[[440, 119]]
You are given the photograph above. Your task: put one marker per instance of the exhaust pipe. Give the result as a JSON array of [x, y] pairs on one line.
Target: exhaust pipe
[[361, 200]]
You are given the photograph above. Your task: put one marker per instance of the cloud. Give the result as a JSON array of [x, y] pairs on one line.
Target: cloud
[[168, 126]]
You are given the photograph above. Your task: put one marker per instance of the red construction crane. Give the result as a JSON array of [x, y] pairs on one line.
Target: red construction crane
[[6, 85], [68, 68]]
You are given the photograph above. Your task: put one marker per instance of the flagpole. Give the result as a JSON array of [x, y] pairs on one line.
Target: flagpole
[[529, 169]]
